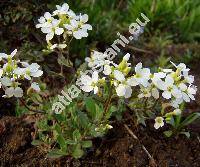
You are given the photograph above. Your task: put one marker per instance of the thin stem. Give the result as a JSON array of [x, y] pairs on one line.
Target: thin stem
[[153, 162], [108, 101]]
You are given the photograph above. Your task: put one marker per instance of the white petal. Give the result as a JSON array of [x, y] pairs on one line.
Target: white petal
[[95, 77], [166, 94], [169, 80], [6, 81], [87, 88], [121, 90], [128, 92], [156, 126], [18, 92], [37, 74], [84, 18], [9, 92], [86, 80], [126, 57], [138, 67], [119, 75], [13, 53], [182, 86], [95, 90], [59, 31], [42, 20], [186, 98], [86, 27], [132, 81], [62, 46], [47, 15], [46, 30], [49, 36]]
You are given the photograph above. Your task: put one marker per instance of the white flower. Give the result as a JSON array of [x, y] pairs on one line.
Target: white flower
[[61, 10], [157, 77], [6, 81], [141, 77], [176, 102], [159, 122], [119, 75], [97, 59], [33, 70], [189, 93], [35, 86], [5, 56], [181, 67], [124, 90], [78, 28], [17, 92], [188, 78], [45, 21], [52, 29], [90, 83], [169, 88]]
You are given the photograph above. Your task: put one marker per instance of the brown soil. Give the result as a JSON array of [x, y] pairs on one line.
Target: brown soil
[[117, 149]]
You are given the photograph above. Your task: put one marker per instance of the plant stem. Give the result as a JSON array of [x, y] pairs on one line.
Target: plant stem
[[143, 147]]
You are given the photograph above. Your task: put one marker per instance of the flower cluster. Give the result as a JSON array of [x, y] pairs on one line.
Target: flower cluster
[[13, 71], [63, 22], [174, 86]]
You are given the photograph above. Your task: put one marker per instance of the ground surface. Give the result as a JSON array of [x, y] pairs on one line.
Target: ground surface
[[117, 149]]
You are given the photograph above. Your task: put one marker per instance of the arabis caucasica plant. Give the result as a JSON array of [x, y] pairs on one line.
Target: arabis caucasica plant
[[63, 22], [60, 27], [14, 71], [168, 87]]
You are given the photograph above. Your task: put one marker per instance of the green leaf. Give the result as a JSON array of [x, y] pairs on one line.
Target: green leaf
[[187, 134], [90, 107], [111, 110], [168, 133], [36, 142], [86, 144], [77, 152], [56, 154], [62, 143], [190, 119], [70, 142], [83, 120], [58, 128], [76, 135], [63, 61], [99, 112]]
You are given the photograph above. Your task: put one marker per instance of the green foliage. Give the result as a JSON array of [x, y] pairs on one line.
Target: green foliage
[[70, 132], [178, 17], [178, 124]]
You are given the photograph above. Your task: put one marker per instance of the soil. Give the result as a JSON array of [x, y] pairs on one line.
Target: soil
[[117, 149]]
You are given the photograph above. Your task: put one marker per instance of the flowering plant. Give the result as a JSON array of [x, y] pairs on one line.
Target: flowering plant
[[60, 27], [167, 87], [14, 72]]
